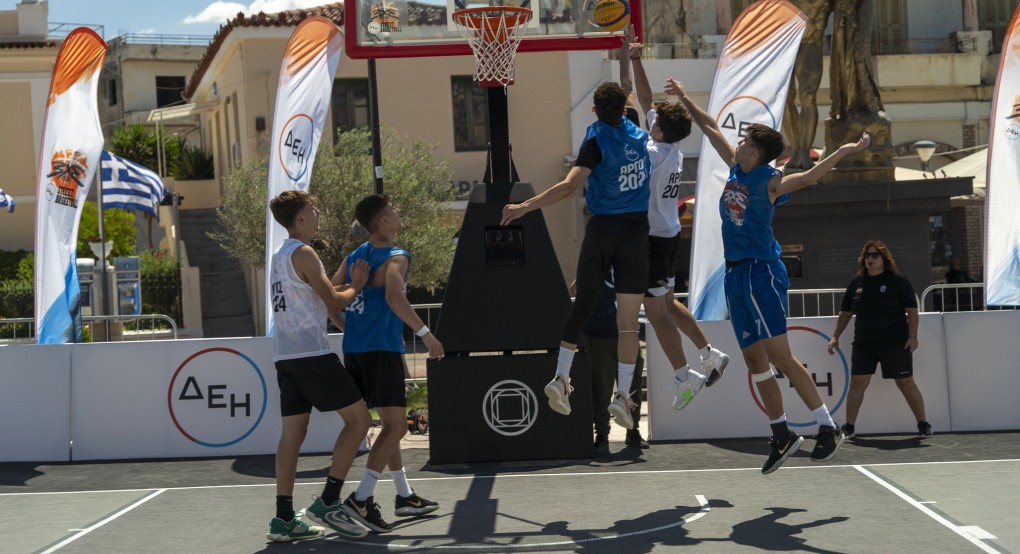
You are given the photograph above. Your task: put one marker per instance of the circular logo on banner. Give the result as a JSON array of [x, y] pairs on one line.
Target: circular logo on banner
[[738, 113], [1012, 131], [831, 375], [294, 145], [217, 397], [510, 407]]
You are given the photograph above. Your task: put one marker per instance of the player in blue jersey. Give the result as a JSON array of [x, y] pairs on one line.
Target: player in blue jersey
[[374, 354], [756, 279], [613, 162]]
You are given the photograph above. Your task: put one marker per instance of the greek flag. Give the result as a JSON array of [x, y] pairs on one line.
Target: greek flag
[[130, 186], [6, 201]]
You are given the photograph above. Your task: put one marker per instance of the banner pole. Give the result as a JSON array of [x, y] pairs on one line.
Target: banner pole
[[98, 183]]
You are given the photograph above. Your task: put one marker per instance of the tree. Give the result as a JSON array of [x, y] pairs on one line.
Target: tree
[[417, 182]]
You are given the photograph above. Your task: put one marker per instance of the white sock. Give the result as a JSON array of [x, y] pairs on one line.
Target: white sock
[[564, 361], [400, 482], [779, 419], [682, 373], [367, 486], [624, 375], [706, 351], [822, 416]]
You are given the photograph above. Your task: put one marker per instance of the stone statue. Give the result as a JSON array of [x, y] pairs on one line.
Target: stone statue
[[800, 125], [856, 103]]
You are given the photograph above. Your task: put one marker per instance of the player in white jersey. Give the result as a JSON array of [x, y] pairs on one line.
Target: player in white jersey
[[308, 372], [668, 124]]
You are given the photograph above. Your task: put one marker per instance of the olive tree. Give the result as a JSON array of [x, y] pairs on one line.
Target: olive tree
[[416, 181]]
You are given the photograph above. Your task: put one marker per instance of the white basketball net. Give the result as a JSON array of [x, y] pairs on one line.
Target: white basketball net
[[494, 35]]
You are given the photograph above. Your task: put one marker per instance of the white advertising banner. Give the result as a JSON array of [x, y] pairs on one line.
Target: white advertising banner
[[302, 101], [191, 398], [732, 408], [72, 141], [35, 403], [751, 81], [1002, 236]]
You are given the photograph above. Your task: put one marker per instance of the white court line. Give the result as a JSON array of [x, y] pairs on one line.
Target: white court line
[[88, 530], [967, 532], [703, 510], [520, 475]]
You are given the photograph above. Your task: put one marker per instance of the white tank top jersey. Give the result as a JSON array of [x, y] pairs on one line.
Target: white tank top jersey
[[299, 315], [667, 163]]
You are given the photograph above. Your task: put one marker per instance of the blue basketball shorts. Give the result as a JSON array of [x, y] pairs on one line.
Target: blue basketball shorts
[[756, 297]]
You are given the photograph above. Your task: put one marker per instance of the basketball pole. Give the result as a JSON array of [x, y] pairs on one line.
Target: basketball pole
[[499, 172], [373, 109]]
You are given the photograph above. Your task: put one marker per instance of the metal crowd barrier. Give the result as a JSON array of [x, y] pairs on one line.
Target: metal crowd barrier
[[22, 329]]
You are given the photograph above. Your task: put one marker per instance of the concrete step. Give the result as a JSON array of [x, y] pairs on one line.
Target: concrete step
[[232, 326]]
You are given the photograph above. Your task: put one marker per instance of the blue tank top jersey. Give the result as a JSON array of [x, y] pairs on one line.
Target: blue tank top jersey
[[619, 183], [747, 215], [369, 323]]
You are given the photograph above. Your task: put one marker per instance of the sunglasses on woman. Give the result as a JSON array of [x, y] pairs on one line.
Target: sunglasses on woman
[[872, 255]]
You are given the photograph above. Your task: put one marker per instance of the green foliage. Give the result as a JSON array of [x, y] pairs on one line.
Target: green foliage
[[157, 263], [26, 267], [138, 143], [10, 263], [194, 164], [118, 226], [415, 179]]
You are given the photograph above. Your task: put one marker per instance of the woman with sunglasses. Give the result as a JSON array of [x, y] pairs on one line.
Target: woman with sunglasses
[[885, 332]]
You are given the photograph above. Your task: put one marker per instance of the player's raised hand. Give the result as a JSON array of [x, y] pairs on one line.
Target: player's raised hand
[[675, 88]]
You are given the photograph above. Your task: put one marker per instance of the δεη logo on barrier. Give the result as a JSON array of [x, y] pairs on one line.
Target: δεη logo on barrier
[[217, 397], [294, 145], [831, 375]]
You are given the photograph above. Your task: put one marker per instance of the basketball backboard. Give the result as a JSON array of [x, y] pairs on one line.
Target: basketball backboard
[[415, 28]]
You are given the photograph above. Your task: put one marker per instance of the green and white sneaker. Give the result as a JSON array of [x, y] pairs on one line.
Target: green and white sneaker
[[335, 517], [685, 390], [293, 530]]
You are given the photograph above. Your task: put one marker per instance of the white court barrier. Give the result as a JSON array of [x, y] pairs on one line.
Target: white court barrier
[[150, 399], [35, 412], [732, 407], [982, 349]]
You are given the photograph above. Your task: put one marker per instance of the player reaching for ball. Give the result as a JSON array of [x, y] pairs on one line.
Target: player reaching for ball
[[756, 280]]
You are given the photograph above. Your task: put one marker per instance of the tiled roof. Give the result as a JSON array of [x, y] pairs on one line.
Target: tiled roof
[[290, 18], [30, 44]]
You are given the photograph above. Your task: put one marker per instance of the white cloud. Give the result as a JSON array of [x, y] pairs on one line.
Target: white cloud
[[220, 12], [146, 31]]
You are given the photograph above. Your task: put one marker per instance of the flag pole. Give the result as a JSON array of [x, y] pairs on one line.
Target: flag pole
[[102, 249]]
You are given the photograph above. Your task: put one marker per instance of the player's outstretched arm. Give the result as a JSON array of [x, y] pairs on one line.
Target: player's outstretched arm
[[707, 123], [309, 268], [797, 181], [396, 269], [555, 193]]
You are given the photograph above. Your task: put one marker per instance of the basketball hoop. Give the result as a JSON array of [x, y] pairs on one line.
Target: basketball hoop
[[494, 33]]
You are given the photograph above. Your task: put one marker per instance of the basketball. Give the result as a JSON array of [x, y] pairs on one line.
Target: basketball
[[609, 15]]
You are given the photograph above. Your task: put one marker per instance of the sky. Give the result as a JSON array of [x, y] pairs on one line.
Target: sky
[[167, 17]]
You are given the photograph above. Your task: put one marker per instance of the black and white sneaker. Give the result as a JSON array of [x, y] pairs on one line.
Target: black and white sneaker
[[413, 505], [367, 513], [924, 429], [781, 451], [828, 440], [848, 431]]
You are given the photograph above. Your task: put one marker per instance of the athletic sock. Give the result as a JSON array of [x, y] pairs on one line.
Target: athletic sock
[[563, 362], [706, 351], [682, 373], [624, 375], [779, 428], [331, 492], [367, 486], [285, 507], [400, 482], [822, 416]]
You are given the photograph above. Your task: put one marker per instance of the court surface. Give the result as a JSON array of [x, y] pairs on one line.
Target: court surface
[[950, 493]]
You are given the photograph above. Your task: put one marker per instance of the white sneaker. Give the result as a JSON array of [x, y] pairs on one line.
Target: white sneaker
[[685, 390], [714, 366], [620, 410], [558, 391]]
